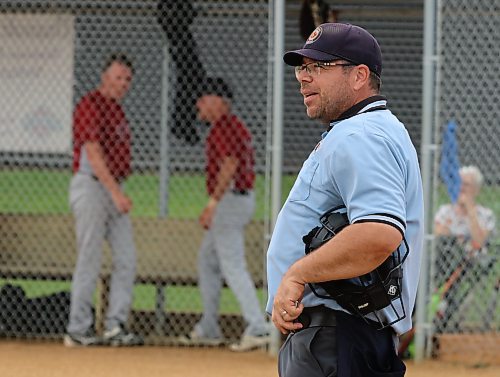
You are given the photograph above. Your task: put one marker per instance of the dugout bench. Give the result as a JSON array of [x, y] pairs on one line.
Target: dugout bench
[[42, 247]]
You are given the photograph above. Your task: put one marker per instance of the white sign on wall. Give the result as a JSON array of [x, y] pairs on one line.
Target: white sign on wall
[[36, 82]]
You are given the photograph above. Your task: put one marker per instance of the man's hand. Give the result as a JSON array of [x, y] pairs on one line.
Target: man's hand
[[287, 306], [122, 202], [96, 158], [207, 215]]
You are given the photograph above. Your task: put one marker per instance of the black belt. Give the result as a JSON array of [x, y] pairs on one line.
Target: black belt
[[94, 177], [317, 316], [240, 192]]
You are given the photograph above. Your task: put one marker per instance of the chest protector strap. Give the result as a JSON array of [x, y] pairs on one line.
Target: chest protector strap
[[365, 295]]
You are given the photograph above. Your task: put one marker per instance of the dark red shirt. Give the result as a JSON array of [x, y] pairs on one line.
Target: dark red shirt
[[230, 137], [100, 119]]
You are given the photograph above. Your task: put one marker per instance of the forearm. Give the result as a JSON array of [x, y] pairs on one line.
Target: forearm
[[224, 177], [99, 167], [355, 251], [478, 234]]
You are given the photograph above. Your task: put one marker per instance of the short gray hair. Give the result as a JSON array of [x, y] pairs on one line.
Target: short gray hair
[[120, 58], [375, 82], [474, 172]]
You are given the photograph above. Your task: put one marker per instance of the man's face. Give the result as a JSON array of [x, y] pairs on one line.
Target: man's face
[[326, 90], [116, 80], [206, 106]]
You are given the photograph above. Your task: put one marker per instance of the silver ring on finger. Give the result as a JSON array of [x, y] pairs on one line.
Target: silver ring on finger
[[284, 312]]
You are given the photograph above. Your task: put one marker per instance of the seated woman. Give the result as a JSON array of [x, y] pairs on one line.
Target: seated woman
[[464, 229], [471, 223]]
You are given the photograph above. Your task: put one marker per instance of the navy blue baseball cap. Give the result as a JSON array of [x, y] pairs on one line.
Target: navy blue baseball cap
[[333, 41]]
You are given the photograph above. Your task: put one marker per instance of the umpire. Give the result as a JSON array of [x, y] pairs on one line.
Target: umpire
[[365, 162]]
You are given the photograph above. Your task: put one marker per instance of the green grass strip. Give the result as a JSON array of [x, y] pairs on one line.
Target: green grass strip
[[46, 192], [177, 299]]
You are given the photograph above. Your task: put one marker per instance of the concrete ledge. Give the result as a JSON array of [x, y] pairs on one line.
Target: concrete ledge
[[43, 246]]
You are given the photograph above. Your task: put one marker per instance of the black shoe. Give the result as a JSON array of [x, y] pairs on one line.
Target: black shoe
[[89, 338], [120, 336]]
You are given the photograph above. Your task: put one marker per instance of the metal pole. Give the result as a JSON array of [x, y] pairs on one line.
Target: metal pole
[[429, 61], [436, 148], [277, 145], [164, 173], [269, 139]]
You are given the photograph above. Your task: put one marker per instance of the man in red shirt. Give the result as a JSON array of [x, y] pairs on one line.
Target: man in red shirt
[[230, 178], [101, 163]]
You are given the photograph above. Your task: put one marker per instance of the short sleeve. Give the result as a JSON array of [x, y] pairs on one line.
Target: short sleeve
[[442, 215], [230, 139], [369, 173], [86, 121], [489, 221]]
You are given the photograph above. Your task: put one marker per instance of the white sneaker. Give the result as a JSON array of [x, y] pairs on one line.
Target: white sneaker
[[193, 339], [120, 336], [251, 342], [89, 338]]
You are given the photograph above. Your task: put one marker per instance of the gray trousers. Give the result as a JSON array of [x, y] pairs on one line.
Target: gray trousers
[[222, 255], [96, 220]]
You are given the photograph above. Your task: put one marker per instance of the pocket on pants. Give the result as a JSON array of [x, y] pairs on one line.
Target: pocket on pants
[[364, 351], [309, 352], [364, 364]]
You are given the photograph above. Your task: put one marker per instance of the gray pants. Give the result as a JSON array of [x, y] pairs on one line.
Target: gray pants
[[96, 220], [222, 255]]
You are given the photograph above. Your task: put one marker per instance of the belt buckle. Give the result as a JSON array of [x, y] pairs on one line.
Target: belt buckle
[[240, 191], [304, 319]]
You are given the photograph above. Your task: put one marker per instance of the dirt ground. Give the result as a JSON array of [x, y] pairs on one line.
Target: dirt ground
[[39, 359]]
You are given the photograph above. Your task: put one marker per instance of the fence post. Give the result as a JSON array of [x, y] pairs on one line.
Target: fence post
[[429, 64], [277, 148]]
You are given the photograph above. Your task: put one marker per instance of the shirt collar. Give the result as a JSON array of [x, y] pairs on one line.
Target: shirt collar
[[377, 102], [224, 119]]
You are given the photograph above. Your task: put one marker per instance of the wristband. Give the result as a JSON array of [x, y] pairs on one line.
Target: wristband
[[212, 202]]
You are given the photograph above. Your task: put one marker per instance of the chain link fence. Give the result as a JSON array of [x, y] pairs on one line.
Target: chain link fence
[[465, 266], [52, 53]]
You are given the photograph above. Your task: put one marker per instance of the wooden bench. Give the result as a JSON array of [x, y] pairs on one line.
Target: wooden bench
[[43, 247]]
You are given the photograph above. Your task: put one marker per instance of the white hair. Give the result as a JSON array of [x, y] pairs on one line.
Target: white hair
[[474, 172]]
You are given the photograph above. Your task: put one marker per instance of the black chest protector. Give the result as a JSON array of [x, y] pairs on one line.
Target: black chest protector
[[367, 294]]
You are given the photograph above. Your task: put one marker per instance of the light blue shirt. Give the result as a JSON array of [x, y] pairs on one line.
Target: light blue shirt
[[369, 164]]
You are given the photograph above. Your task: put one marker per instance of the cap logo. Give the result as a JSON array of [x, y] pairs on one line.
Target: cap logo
[[314, 35]]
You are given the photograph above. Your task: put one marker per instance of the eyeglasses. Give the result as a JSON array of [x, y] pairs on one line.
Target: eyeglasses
[[314, 68]]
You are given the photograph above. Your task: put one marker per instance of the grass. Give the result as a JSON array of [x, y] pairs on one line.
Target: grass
[[38, 191], [46, 192]]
